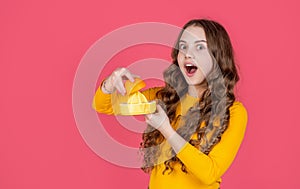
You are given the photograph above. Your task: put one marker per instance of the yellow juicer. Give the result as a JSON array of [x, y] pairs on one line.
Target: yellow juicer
[[135, 103]]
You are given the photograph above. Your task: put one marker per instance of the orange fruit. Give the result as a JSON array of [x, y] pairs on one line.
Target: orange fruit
[[132, 87]]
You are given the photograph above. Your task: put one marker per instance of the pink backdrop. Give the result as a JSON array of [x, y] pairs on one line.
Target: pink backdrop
[[42, 43]]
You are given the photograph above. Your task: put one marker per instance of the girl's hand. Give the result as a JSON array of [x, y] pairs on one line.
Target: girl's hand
[[115, 81], [161, 122], [158, 120]]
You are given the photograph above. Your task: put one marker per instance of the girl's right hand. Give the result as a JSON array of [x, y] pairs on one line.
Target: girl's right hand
[[115, 81]]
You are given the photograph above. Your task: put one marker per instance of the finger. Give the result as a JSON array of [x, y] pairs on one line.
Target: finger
[[129, 76], [125, 74], [135, 76], [120, 86], [113, 78], [147, 121], [159, 108]]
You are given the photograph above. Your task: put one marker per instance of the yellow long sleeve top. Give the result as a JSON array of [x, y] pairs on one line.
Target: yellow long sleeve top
[[204, 171]]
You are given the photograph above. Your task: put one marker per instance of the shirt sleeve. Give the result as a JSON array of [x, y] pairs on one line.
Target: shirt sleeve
[[209, 168], [102, 102]]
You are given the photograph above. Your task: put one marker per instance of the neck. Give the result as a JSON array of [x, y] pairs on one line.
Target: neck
[[197, 90]]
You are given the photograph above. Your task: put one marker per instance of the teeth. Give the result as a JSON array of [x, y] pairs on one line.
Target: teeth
[[188, 64]]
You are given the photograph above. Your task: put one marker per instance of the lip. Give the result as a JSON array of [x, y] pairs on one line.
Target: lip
[[187, 73], [185, 63]]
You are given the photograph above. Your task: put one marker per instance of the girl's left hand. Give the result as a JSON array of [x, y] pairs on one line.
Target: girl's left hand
[[158, 120]]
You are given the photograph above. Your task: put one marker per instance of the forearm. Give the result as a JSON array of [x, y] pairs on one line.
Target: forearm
[[209, 168], [193, 158], [173, 138]]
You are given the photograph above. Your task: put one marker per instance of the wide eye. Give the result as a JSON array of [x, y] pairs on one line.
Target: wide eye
[[182, 46], [200, 47]]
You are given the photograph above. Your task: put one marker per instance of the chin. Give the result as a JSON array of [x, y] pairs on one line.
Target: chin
[[193, 81]]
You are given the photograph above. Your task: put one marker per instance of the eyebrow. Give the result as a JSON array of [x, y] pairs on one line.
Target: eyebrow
[[198, 41]]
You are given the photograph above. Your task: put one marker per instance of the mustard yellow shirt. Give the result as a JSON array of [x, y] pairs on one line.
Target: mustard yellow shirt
[[204, 171]]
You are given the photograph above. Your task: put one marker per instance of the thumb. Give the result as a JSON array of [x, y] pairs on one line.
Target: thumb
[[159, 108], [148, 116]]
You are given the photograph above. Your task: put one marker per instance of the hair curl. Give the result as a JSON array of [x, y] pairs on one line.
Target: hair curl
[[213, 106]]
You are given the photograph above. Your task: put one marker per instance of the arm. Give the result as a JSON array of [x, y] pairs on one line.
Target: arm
[[209, 168]]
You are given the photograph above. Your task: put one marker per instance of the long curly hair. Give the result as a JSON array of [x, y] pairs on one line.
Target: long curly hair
[[210, 116]]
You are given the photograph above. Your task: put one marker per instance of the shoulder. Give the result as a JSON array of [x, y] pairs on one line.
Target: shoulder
[[238, 108], [238, 114]]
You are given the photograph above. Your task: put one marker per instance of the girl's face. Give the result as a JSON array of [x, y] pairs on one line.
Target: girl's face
[[193, 57]]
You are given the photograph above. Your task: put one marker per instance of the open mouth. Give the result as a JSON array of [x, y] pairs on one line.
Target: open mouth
[[190, 68]]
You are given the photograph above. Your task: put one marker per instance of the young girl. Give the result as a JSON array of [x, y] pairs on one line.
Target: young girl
[[196, 131]]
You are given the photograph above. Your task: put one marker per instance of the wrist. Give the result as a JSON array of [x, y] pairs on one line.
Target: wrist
[[104, 87], [167, 130], [177, 142]]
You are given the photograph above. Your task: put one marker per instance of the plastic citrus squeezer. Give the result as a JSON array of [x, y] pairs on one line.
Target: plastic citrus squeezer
[[134, 102]]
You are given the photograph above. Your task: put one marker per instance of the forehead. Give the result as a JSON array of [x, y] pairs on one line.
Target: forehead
[[193, 33]]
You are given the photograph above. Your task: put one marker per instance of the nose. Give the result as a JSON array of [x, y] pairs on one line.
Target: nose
[[188, 54]]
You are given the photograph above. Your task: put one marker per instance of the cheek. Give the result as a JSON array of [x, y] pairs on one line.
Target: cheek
[[180, 59], [205, 63], [179, 56]]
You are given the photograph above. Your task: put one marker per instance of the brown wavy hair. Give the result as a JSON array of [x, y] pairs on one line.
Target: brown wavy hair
[[212, 110]]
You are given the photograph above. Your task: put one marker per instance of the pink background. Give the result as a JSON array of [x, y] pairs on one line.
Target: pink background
[[42, 43]]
